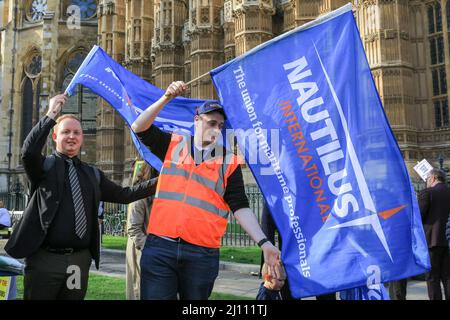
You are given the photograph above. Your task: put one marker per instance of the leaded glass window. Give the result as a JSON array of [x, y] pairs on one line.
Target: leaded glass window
[[438, 16], [435, 77], [442, 80], [441, 114], [433, 55], [34, 65], [436, 36], [448, 14], [431, 27], [83, 102], [440, 49], [88, 8], [445, 119], [27, 108], [36, 10]]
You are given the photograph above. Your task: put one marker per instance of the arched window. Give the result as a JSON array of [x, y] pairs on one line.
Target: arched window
[[37, 99], [438, 16], [31, 90], [27, 108], [441, 114], [436, 38], [447, 9], [88, 8], [85, 9], [36, 10]]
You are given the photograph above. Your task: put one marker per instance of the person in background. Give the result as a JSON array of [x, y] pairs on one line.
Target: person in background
[[398, 289], [137, 221], [434, 203]]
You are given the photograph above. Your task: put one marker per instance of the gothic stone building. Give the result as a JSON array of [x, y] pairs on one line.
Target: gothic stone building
[[44, 41]]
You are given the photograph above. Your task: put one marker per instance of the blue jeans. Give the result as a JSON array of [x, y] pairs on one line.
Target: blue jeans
[[168, 268]]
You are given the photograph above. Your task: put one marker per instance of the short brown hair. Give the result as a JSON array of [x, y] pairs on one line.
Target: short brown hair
[[438, 174], [65, 116]]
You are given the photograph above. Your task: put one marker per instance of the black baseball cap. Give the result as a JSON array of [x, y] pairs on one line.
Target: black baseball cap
[[211, 106]]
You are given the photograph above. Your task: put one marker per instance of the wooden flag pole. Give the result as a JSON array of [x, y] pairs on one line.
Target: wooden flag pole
[[193, 80]]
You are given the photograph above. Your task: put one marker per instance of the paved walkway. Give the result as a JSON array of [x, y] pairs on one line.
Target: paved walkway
[[234, 278], [237, 279]]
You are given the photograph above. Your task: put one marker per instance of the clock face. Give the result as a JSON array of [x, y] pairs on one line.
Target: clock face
[[38, 9], [88, 8]]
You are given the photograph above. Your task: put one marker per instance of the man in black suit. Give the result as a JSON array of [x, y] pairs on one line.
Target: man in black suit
[[58, 235], [447, 230], [434, 204]]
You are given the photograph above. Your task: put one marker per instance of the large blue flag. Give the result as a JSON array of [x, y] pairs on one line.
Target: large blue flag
[[338, 188], [129, 95]]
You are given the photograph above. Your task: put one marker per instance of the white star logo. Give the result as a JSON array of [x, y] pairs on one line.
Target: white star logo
[[374, 221]]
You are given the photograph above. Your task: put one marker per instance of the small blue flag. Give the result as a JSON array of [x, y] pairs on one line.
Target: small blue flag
[[129, 95]]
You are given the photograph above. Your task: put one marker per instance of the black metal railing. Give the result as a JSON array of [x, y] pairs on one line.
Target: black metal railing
[[115, 215], [14, 200], [115, 219], [235, 235]]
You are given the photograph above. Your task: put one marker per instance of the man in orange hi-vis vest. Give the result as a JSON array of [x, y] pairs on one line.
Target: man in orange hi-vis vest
[[199, 183]]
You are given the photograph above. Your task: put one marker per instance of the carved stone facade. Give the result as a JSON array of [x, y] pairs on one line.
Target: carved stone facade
[[406, 43], [42, 46], [110, 126]]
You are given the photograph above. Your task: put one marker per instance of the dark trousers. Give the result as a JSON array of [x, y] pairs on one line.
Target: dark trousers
[[397, 289], [51, 276], [440, 272], [169, 268]]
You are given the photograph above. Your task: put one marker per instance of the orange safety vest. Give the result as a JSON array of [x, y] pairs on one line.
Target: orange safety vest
[[189, 198]]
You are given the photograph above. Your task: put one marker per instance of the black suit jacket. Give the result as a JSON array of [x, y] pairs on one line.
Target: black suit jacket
[[435, 207], [46, 186]]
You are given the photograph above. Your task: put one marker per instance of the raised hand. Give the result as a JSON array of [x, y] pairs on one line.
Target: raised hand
[[56, 104], [176, 88]]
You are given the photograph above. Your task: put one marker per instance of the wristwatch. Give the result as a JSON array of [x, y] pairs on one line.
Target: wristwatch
[[262, 241]]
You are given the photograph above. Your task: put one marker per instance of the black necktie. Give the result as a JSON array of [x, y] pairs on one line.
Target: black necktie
[[78, 205]]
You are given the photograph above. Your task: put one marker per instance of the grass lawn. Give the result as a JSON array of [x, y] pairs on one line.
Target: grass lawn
[[250, 255], [113, 288], [100, 288], [114, 242]]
